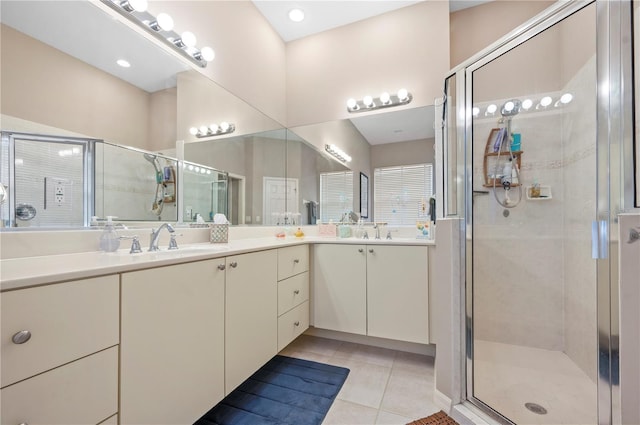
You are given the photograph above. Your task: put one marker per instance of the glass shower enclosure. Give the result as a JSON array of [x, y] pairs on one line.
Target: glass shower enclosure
[[528, 166]]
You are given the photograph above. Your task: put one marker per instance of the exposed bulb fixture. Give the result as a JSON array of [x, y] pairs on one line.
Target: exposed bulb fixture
[[296, 15], [527, 104], [337, 153], [510, 108], [212, 130], [163, 22], [544, 102], [475, 111], [564, 99], [369, 103], [123, 63], [134, 5], [491, 109], [161, 27]]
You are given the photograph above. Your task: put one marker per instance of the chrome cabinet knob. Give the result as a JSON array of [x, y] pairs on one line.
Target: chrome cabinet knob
[[296, 261], [21, 337], [221, 267], [233, 264], [297, 291], [371, 250], [296, 323], [360, 250]]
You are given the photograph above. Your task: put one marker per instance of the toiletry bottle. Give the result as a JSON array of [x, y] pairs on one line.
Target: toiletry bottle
[[506, 172], [109, 241]]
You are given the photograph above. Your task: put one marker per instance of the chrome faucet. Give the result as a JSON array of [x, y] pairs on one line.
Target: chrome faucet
[[155, 234], [377, 227]]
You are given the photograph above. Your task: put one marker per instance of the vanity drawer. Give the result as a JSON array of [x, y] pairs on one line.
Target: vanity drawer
[[292, 260], [292, 324], [65, 321], [81, 392], [292, 292]]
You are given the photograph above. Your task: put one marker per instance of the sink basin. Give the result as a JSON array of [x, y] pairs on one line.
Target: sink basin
[[181, 251]]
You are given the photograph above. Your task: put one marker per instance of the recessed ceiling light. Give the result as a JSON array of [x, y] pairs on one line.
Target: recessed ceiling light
[[123, 63], [296, 15]]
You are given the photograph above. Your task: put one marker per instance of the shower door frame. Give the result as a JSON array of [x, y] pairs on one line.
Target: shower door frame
[[614, 127]]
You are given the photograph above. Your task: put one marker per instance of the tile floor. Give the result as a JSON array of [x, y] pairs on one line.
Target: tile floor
[[383, 387]]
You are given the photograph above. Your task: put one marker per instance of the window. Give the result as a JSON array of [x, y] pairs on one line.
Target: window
[[336, 195], [401, 192]]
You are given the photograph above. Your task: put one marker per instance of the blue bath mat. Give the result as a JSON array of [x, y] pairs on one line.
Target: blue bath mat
[[283, 391]]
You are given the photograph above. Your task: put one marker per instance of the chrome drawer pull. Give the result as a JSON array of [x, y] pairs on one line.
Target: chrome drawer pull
[[234, 264], [360, 250], [296, 261], [296, 323], [21, 337], [297, 291], [221, 267], [371, 251]]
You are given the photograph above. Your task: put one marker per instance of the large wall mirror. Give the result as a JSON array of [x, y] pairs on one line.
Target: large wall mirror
[[636, 68]]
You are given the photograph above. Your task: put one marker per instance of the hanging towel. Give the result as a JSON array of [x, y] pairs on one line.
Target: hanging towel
[[312, 212]]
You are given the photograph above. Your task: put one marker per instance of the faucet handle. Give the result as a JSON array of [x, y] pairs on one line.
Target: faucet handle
[[135, 243], [389, 234], [173, 244], [365, 235]]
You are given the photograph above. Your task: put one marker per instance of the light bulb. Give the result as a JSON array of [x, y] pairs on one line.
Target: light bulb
[[475, 111], [526, 104], [196, 169], [190, 167], [224, 126], [188, 38], [296, 15], [165, 21], [492, 108], [403, 95], [193, 131], [368, 101], [352, 104], [138, 5], [509, 106], [214, 128], [566, 98], [202, 171], [546, 101], [208, 54], [208, 171], [123, 63], [385, 98], [204, 129]]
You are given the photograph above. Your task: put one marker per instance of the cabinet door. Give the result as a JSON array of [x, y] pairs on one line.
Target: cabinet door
[[398, 293], [340, 288], [172, 343], [251, 315]]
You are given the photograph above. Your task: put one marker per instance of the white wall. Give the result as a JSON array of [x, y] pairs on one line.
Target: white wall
[[407, 48]]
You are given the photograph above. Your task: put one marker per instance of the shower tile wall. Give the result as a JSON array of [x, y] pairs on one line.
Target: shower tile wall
[[546, 300], [579, 160], [126, 186]]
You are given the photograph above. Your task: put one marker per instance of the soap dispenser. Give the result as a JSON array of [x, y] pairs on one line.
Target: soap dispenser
[[109, 241]]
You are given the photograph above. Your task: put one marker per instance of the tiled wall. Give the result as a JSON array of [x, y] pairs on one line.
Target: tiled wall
[[534, 281]]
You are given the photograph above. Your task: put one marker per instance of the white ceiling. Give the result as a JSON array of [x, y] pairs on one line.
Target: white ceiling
[[397, 126]]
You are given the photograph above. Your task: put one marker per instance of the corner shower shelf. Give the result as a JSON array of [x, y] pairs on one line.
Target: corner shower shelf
[[488, 181]]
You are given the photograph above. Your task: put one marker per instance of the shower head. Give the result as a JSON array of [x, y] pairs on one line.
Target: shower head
[[510, 108], [153, 160]]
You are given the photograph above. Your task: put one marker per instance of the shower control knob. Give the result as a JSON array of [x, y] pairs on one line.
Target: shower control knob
[[21, 337]]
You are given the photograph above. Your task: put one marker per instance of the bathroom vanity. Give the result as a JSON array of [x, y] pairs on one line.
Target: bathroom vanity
[[161, 337]]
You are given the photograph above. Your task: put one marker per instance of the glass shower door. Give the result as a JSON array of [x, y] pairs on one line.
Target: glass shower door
[[534, 311]]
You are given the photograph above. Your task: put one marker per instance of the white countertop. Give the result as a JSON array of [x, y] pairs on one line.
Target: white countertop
[[32, 271]]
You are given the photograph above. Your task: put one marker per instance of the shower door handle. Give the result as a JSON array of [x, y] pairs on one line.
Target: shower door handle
[[599, 239]]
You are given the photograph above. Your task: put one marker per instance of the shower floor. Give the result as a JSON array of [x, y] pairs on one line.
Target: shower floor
[[508, 376]]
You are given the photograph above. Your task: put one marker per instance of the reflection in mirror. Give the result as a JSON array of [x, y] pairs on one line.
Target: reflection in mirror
[[636, 68], [135, 185], [255, 164], [206, 193]]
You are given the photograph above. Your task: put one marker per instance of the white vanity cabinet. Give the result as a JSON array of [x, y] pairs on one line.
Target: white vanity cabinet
[[293, 293], [374, 290], [172, 342], [340, 287], [251, 326], [59, 352], [398, 293]]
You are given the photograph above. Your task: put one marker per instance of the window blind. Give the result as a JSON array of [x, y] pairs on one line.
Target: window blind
[[336, 195], [399, 193]]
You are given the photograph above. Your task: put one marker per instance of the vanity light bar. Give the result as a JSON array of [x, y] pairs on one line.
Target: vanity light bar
[[386, 100], [212, 130], [184, 44], [338, 153], [527, 105]]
